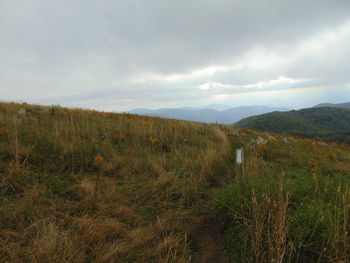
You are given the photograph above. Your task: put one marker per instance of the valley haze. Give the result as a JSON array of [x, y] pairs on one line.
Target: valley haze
[[216, 113]]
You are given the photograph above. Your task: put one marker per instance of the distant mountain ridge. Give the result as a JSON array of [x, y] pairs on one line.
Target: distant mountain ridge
[[217, 107], [333, 105], [223, 114], [325, 123]]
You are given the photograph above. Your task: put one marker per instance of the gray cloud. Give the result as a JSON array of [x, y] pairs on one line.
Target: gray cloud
[[125, 54]]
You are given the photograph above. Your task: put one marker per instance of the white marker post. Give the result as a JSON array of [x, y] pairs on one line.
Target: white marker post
[[240, 159]]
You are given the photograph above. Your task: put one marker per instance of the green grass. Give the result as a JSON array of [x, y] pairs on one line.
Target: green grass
[[291, 210]]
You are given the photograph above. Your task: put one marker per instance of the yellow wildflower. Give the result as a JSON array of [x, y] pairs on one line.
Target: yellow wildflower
[[98, 160], [153, 140], [313, 164]]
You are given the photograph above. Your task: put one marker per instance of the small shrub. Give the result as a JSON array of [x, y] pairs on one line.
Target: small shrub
[[331, 156]]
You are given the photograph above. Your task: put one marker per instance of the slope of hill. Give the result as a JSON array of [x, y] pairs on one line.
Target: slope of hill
[[85, 186], [329, 124], [339, 105], [210, 114]]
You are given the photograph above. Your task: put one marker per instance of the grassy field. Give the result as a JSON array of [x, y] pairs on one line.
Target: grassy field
[[292, 204], [87, 186]]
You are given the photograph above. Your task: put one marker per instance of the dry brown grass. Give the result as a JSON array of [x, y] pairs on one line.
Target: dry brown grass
[[53, 208], [268, 227]]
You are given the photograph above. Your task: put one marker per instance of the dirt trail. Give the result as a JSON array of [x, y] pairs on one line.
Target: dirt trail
[[211, 245]]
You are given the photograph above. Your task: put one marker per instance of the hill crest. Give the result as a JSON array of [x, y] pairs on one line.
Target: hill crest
[[326, 123]]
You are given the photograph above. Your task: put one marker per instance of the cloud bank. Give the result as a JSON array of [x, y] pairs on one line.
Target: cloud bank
[[118, 55]]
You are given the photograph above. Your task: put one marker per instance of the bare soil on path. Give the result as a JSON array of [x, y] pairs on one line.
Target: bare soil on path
[[211, 245]]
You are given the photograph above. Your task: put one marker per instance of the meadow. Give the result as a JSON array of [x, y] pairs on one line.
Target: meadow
[[292, 204], [86, 186]]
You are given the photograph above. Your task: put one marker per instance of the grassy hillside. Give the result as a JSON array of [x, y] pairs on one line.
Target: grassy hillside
[[330, 124], [86, 186], [290, 205]]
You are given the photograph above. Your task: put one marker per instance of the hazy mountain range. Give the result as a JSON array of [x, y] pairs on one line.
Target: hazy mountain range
[[209, 114], [325, 121]]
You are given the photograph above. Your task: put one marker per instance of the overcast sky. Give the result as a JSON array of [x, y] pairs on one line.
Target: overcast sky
[[123, 54]]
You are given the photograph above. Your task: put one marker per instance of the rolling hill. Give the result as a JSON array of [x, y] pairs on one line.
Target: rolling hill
[[326, 123], [338, 105]]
